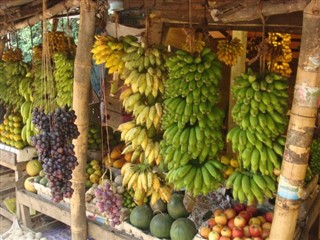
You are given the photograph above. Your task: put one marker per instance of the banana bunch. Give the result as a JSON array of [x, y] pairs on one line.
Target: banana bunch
[[140, 141], [109, 51], [60, 42], [229, 50], [12, 55], [261, 101], [145, 183], [191, 120], [25, 88], [11, 74], [63, 76], [279, 54], [36, 53], [28, 129], [197, 179], [248, 187]]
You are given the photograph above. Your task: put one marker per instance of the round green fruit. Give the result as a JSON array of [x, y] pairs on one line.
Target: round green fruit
[[176, 208], [160, 225], [183, 229], [141, 217]]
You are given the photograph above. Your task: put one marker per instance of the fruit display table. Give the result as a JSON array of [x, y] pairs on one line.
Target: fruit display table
[[14, 159], [61, 212]]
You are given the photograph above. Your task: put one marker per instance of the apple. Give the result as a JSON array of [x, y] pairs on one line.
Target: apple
[[230, 213], [257, 238], [252, 210], [211, 222], [226, 231], [204, 232], [214, 236], [262, 219], [265, 233], [224, 238], [269, 216], [237, 238], [245, 215], [231, 223], [217, 211], [246, 231], [255, 230], [247, 238], [266, 225], [221, 219], [254, 220], [240, 221], [217, 228], [237, 232], [239, 207]]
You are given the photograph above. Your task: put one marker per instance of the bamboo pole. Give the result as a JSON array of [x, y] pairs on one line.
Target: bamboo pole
[[81, 91], [301, 127], [236, 70]]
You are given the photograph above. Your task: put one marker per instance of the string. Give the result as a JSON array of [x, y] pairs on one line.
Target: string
[[190, 32]]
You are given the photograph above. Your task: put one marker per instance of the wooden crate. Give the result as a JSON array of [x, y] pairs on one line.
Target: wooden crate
[[12, 155]]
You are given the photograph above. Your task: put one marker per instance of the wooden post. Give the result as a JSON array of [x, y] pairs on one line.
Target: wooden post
[[301, 127], [236, 70], [81, 90]]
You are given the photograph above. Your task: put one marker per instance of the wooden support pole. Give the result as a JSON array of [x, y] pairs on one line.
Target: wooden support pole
[[301, 127], [236, 70], [81, 91]]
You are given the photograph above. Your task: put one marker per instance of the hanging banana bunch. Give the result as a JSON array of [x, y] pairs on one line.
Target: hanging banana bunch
[[12, 55], [260, 115], [145, 183], [60, 42], [192, 122], [109, 51], [279, 54], [228, 51]]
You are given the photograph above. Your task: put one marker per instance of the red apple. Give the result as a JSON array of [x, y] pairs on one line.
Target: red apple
[[266, 225], [269, 216], [214, 236], [221, 219], [252, 210], [247, 238], [237, 232], [239, 207], [211, 222], [246, 231], [231, 223], [230, 213], [240, 221], [245, 215], [265, 233], [237, 238], [255, 230], [224, 238], [226, 231], [217, 211], [217, 228], [254, 220], [204, 231], [257, 238], [262, 219]]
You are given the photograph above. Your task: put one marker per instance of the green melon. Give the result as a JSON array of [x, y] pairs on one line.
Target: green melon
[[160, 225], [183, 229], [141, 216], [176, 208]]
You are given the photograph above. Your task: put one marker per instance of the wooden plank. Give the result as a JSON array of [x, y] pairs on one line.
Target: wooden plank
[[56, 210], [7, 157], [96, 231], [7, 214]]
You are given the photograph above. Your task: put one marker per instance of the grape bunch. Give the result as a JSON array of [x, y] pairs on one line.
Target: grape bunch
[[109, 202], [55, 149], [128, 199]]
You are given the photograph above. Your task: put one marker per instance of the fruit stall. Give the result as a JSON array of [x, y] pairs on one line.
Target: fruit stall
[[182, 120]]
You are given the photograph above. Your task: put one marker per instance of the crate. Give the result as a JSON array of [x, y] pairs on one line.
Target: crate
[[12, 155]]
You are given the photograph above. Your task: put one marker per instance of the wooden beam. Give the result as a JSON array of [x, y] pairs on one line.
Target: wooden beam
[[50, 12], [252, 10]]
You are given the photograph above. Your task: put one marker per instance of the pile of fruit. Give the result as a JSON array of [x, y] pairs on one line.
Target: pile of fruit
[[116, 159], [192, 122], [35, 172], [165, 221], [128, 202], [11, 131], [237, 223], [96, 138], [260, 115], [93, 172], [228, 51]]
